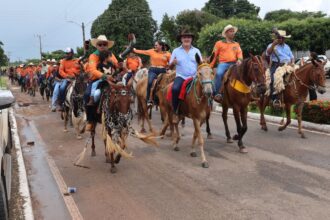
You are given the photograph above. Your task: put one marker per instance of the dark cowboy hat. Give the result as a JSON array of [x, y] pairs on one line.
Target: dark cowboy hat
[[184, 33]]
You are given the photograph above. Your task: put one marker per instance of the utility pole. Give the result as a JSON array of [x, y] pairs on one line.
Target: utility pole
[[83, 32], [40, 45]]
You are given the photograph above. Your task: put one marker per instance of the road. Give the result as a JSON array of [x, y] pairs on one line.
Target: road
[[282, 176]]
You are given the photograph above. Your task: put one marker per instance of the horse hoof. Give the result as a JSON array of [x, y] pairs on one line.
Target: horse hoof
[[264, 128], [79, 137], [65, 130], [205, 164], [113, 170], [93, 154], [303, 136], [229, 140], [143, 130], [193, 154], [235, 138], [280, 129], [209, 136], [176, 148], [117, 160], [243, 150]]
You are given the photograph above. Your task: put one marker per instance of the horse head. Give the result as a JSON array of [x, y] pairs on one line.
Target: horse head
[[121, 97], [205, 75], [255, 73], [317, 75]]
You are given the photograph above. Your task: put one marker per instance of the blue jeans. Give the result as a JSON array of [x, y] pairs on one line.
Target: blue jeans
[[88, 92], [63, 86], [55, 93], [152, 75], [221, 70], [129, 76], [95, 84], [177, 84]]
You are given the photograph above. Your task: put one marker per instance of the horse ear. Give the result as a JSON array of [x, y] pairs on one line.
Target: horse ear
[[211, 58], [198, 59]]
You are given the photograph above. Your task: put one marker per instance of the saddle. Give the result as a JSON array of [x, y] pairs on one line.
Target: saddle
[[185, 88]]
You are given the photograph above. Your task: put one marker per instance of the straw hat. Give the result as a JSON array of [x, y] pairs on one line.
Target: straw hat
[[282, 33], [227, 28], [102, 38]]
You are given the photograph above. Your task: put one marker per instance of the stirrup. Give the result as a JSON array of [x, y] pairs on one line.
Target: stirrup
[[150, 103], [277, 103]]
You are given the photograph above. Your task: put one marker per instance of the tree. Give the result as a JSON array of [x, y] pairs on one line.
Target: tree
[[57, 55], [194, 20], [168, 30], [123, 17], [286, 14], [232, 8], [3, 57]]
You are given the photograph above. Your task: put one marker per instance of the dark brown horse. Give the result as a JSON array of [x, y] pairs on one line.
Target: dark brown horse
[[197, 106], [309, 76], [237, 94]]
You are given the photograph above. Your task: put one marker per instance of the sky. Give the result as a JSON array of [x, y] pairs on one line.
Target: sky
[[22, 20]]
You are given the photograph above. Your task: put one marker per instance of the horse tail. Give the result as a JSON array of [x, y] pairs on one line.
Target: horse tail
[[140, 110]]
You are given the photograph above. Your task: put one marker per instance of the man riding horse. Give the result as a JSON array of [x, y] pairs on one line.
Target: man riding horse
[[69, 69], [102, 44], [280, 54], [228, 52]]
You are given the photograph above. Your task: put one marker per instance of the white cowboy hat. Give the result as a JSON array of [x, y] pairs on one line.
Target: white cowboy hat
[[68, 50], [53, 60], [30, 64], [282, 33], [228, 27], [101, 38]]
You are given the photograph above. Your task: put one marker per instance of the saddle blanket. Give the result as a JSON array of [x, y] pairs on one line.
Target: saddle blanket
[[184, 89]]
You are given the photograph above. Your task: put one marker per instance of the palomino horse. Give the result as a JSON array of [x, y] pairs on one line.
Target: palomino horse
[[141, 88], [74, 106], [196, 105], [296, 91], [237, 94]]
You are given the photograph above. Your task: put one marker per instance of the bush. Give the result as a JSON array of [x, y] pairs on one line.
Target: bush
[[316, 112]]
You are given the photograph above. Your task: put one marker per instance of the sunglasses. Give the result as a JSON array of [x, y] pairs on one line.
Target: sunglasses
[[102, 44]]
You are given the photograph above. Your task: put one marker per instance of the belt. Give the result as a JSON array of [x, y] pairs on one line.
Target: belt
[[278, 64], [161, 67]]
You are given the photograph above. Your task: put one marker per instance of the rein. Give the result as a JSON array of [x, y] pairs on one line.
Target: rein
[[202, 82]]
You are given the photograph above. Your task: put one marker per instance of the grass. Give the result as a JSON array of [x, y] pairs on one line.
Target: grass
[[3, 82], [271, 111]]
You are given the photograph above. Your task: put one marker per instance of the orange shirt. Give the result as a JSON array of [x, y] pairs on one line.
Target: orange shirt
[[29, 70], [227, 52], [157, 59], [49, 71], [133, 63], [93, 61], [23, 72], [69, 68]]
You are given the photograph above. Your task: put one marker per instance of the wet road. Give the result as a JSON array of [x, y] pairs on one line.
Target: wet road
[[282, 176]]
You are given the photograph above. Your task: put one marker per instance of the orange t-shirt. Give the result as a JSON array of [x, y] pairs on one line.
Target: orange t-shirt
[[133, 63], [30, 71], [157, 59], [49, 71], [23, 72], [69, 68], [227, 52], [93, 61]]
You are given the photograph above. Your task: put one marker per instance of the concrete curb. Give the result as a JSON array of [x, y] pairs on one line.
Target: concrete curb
[[23, 182], [305, 125]]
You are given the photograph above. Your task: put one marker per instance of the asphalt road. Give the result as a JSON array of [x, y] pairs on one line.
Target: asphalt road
[[282, 176]]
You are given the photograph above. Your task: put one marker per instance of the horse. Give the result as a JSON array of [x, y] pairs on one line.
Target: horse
[[237, 94], [46, 88], [73, 105], [306, 77], [197, 105], [115, 115], [32, 85]]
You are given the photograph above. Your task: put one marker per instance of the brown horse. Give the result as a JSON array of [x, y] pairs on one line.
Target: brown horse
[[237, 94], [197, 106], [296, 91], [141, 88]]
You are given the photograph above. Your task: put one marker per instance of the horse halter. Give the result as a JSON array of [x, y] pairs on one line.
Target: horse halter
[[203, 82], [259, 69], [314, 80]]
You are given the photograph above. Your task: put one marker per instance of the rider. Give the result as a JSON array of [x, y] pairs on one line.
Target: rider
[[280, 54], [159, 59], [69, 69], [227, 52], [53, 72], [183, 58], [132, 63], [30, 74], [102, 44]]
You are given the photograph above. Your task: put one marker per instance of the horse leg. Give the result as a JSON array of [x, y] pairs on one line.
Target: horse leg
[[236, 113], [262, 106], [175, 134], [113, 168], [242, 148], [193, 152], [93, 143], [198, 132], [65, 117], [225, 122], [165, 126], [299, 116], [208, 130], [288, 117], [183, 124]]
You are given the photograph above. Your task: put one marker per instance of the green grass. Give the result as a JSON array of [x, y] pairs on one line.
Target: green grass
[[3, 82], [271, 111]]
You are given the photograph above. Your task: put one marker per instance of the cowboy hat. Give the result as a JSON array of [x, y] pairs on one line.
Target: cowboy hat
[[53, 61], [282, 33], [102, 38], [30, 64], [183, 33], [227, 28], [68, 50]]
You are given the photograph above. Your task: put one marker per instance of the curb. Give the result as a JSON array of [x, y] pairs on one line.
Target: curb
[[274, 119], [23, 182]]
